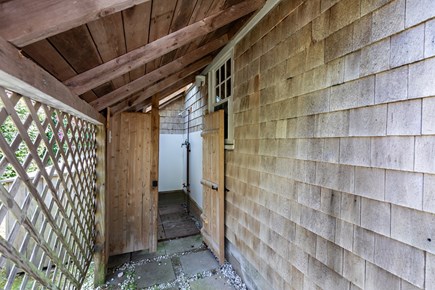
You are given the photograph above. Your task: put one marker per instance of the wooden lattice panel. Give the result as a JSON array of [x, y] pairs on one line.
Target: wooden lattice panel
[[47, 195]]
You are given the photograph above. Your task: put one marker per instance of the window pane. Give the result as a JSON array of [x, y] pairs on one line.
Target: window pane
[[228, 68], [228, 88], [223, 95], [217, 77], [222, 69], [217, 97], [224, 107]]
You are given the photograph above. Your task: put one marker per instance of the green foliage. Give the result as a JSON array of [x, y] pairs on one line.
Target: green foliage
[[16, 285], [10, 131]]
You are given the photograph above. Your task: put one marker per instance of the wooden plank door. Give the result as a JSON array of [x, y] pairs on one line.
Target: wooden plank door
[[130, 193], [213, 230]]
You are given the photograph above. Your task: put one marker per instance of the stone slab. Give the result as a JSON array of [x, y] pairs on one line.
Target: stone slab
[[198, 262], [183, 245], [211, 283], [154, 273]]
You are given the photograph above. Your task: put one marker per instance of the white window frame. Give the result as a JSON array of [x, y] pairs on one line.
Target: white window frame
[[229, 142]]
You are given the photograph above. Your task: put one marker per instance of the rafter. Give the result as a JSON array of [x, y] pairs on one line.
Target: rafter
[[23, 22], [23, 76], [124, 106], [167, 82], [165, 92], [138, 57], [158, 74]]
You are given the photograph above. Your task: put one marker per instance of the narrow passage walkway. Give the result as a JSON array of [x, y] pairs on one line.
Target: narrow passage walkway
[[174, 222], [183, 263]]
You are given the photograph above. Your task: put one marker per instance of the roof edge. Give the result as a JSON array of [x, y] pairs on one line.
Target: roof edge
[[267, 7]]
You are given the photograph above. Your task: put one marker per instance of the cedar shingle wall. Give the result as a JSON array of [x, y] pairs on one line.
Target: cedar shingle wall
[[332, 180], [170, 121], [196, 100]]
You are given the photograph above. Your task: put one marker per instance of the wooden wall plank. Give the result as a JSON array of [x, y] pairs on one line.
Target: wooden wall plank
[[23, 22], [129, 190], [213, 215], [115, 203], [154, 173], [25, 77], [101, 254], [134, 59]]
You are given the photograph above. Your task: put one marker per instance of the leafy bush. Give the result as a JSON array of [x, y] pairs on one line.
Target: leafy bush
[[10, 131]]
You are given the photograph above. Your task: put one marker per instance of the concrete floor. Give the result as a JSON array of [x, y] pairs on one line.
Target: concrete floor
[[178, 264]]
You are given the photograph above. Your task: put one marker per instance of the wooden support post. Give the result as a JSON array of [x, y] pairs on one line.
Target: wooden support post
[[101, 239], [154, 172]]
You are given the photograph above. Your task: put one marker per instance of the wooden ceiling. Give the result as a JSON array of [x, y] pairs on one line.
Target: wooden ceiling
[[118, 53]]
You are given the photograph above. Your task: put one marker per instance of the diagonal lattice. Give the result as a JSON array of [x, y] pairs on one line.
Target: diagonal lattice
[[47, 195]]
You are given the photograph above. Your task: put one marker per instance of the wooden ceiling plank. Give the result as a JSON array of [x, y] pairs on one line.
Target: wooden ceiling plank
[[78, 48], [23, 22], [108, 36], [89, 96], [156, 75], [50, 59], [182, 15], [136, 29], [215, 7], [200, 12], [23, 76], [161, 20], [134, 59]]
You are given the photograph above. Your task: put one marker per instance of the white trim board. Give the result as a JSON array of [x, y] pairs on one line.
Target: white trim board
[[269, 5]]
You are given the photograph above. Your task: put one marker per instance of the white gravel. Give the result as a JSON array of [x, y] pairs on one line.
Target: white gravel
[[182, 281]]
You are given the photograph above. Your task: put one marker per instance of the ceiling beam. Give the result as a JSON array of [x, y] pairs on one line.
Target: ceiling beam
[[23, 22], [23, 76], [167, 92], [167, 82], [140, 56], [124, 106], [158, 74]]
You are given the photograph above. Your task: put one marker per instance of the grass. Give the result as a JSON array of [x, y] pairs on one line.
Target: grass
[[17, 281]]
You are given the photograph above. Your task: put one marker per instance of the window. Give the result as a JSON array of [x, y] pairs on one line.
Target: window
[[221, 92]]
